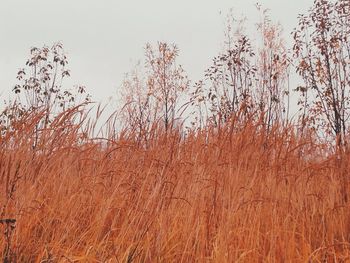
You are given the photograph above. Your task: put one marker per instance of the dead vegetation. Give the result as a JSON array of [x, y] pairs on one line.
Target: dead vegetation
[[209, 196], [244, 181]]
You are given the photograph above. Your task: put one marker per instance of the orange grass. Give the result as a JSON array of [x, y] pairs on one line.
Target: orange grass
[[228, 196]]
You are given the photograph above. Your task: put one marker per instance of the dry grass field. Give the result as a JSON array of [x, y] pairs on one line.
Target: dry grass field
[[234, 195], [247, 162]]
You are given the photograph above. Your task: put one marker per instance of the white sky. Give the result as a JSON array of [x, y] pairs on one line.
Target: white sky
[[105, 38]]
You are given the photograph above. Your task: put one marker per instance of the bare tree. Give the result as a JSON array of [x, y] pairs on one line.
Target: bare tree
[[40, 84], [272, 71], [40, 87], [322, 53], [231, 77], [167, 81], [140, 109], [246, 81], [152, 94]]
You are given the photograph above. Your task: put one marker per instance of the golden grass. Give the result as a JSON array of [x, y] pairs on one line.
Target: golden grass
[[228, 196]]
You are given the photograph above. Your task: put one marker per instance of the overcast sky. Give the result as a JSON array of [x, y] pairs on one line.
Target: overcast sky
[[104, 39]]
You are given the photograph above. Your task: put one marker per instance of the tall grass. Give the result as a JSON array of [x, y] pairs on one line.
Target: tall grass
[[210, 196]]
